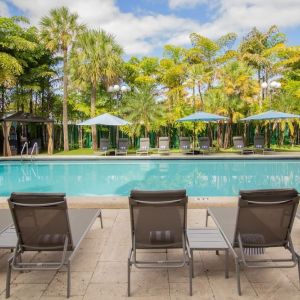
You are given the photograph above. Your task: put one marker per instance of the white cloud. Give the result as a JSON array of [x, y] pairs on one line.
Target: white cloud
[[240, 16], [4, 9], [143, 34], [138, 35], [173, 4]]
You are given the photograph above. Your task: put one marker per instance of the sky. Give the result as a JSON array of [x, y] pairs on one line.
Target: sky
[[143, 27]]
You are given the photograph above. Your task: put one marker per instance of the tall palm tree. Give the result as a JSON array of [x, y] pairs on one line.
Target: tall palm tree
[[59, 31], [96, 60]]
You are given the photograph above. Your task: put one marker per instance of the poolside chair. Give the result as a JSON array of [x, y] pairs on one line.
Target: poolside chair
[[158, 221], [144, 146], [204, 144], [259, 145], [164, 145], [123, 144], [263, 219], [185, 145], [104, 146], [238, 143], [42, 223]]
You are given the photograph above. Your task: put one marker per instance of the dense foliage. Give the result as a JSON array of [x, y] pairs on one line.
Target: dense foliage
[[64, 70]]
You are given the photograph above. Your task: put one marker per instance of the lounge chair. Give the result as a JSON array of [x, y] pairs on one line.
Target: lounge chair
[[144, 146], [123, 144], [238, 143], [104, 146], [43, 223], [158, 221], [263, 219], [204, 144], [185, 145], [164, 145], [259, 145]]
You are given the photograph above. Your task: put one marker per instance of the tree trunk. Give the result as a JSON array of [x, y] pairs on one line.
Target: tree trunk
[[201, 97], [227, 135], [220, 134], [2, 100], [93, 111], [65, 102], [31, 102]]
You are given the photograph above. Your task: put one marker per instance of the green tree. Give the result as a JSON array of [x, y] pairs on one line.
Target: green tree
[[142, 110], [96, 60], [237, 93], [59, 31], [211, 54], [258, 48]]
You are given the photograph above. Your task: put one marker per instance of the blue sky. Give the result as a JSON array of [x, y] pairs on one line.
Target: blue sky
[[143, 26]]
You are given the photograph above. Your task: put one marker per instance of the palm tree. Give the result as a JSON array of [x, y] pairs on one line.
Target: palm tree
[[59, 31], [96, 59], [142, 110], [258, 49]]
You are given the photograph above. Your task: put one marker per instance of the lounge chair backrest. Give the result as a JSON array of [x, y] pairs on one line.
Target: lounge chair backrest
[[265, 217], [184, 142], [238, 142], [123, 143], [104, 144], [41, 221], [158, 218], [164, 142], [203, 142], [144, 143], [259, 141]]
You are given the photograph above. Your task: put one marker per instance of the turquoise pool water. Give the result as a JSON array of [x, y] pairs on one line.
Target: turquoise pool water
[[99, 178]]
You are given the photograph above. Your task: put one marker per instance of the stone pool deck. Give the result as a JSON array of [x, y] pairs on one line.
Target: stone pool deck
[[99, 271]]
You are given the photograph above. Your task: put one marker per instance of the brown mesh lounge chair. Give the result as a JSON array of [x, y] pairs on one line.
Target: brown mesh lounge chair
[[238, 143], [104, 145], [144, 146], [158, 221], [123, 144], [263, 219], [204, 144], [42, 223], [185, 145], [164, 145], [259, 145]]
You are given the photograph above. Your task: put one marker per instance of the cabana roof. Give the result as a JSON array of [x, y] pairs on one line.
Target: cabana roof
[[24, 118]]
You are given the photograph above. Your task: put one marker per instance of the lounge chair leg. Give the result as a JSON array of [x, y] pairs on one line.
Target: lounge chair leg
[[206, 219], [192, 262], [226, 264], [69, 280], [8, 277], [191, 275], [237, 268], [100, 216], [298, 258], [128, 277]]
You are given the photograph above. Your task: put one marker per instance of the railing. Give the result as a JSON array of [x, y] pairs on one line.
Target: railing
[[35, 147], [25, 147]]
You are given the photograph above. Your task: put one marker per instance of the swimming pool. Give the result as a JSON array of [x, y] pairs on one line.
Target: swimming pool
[[118, 177]]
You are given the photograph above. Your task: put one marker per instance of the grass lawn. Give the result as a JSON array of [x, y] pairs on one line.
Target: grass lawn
[[89, 151]]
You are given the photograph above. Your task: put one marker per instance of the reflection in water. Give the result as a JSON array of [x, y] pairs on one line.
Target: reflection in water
[[200, 178]]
